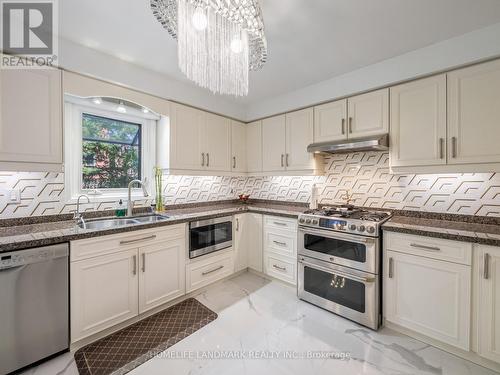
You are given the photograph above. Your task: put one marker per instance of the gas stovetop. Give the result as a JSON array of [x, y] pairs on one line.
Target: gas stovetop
[[347, 219]]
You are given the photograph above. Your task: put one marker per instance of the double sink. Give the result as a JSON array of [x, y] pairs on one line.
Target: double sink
[[109, 223]]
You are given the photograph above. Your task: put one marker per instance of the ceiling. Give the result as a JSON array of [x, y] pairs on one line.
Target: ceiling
[[309, 40]]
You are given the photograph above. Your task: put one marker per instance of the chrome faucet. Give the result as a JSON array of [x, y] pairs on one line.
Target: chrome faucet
[[130, 204], [77, 216]]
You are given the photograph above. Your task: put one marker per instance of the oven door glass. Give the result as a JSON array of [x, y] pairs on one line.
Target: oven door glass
[[335, 288], [335, 247], [210, 235]]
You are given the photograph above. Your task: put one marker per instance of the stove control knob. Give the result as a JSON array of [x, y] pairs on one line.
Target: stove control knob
[[308, 221], [361, 228], [352, 227], [370, 230], [315, 221], [301, 220]]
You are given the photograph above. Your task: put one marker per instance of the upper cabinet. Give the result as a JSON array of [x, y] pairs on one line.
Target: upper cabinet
[[238, 147], [254, 146], [216, 142], [418, 122], [359, 116], [368, 114], [284, 144], [31, 120], [474, 114]]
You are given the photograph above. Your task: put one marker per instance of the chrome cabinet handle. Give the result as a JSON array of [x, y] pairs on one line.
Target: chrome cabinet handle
[[282, 160], [209, 272], [152, 237], [391, 268], [237, 224], [134, 269], [431, 248], [441, 148], [202, 159], [486, 266], [143, 262], [280, 243], [287, 164], [453, 147], [279, 268], [343, 126], [350, 124], [208, 159], [234, 162], [279, 223]]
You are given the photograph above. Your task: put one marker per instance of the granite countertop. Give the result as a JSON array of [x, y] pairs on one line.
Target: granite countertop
[[16, 237], [468, 231]]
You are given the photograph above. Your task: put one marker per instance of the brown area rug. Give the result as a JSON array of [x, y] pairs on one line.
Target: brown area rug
[[130, 347]]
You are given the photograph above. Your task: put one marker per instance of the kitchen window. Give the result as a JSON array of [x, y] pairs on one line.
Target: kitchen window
[[105, 149]]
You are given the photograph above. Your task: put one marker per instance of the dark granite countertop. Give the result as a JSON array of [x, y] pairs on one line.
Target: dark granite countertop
[[467, 230], [40, 232]]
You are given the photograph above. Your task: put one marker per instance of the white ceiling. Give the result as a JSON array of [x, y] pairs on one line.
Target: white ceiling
[[309, 40]]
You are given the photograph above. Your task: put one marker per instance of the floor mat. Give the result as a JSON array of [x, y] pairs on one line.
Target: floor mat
[[130, 347]]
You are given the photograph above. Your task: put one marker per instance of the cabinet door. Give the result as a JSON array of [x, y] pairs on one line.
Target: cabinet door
[[299, 135], [254, 146], [488, 301], [368, 114], [162, 273], [241, 229], [103, 292], [330, 121], [238, 147], [413, 284], [274, 143], [31, 118], [474, 114], [187, 125], [253, 228], [418, 122], [217, 137]]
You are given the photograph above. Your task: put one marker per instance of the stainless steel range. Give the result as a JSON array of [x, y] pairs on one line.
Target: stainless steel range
[[339, 261]]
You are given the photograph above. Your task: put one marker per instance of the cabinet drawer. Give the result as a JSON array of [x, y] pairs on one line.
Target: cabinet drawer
[[429, 247], [207, 271], [280, 222], [281, 268], [281, 242], [89, 248]]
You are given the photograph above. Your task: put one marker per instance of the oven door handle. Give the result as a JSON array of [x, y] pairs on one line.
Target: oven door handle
[[341, 236], [365, 280]]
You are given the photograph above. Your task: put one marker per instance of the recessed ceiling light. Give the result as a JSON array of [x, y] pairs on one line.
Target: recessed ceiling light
[[97, 100], [121, 108]]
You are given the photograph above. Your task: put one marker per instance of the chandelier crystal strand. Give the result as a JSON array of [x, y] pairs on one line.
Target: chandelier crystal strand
[[219, 41]]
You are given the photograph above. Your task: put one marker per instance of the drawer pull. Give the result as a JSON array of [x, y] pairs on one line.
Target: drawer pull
[[134, 261], [279, 268], [280, 243], [486, 266], [152, 237], [391, 268], [211, 271], [430, 248], [279, 223]]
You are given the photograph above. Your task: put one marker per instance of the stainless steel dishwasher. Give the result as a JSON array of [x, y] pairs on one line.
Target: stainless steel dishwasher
[[34, 305]]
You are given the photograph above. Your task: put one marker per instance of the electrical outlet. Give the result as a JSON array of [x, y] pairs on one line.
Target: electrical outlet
[[14, 196]]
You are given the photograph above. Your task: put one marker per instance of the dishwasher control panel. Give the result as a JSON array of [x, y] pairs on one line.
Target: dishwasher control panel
[[23, 257]]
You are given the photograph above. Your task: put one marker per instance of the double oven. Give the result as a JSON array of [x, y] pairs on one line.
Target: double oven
[[340, 273]]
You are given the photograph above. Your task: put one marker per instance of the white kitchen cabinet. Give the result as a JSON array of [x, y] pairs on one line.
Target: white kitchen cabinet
[[418, 123], [161, 273], [487, 301], [428, 296], [368, 114], [253, 240], [216, 141], [31, 120], [299, 135], [274, 143], [474, 114], [238, 147], [240, 239], [254, 147], [330, 121], [206, 270], [104, 292]]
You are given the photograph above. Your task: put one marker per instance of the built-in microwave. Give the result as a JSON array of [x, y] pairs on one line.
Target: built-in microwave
[[208, 236]]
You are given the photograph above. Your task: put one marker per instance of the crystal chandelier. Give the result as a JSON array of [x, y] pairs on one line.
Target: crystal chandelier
[[218, 41]]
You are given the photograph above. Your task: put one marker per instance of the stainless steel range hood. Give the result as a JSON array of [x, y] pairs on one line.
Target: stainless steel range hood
[[373, 143]]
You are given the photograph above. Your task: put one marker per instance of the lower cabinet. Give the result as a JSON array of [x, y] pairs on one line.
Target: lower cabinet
[[248, 241], [202, 272], [487, 278], [115, 278], [280, 248]]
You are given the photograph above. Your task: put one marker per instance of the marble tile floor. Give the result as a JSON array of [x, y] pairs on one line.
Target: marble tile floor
[[263, 328]]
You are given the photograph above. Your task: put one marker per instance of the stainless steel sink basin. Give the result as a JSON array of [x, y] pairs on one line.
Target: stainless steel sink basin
[[100, 224]]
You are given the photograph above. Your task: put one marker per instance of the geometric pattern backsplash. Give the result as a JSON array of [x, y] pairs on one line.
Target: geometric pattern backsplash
[[364, 174]]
